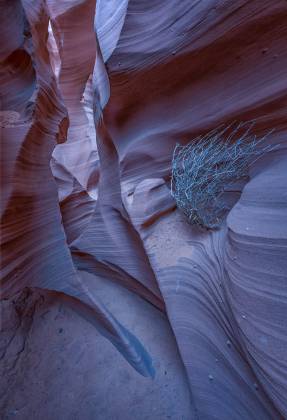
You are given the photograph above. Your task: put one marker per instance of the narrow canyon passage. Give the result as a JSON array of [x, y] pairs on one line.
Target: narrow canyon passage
[[139, 282]]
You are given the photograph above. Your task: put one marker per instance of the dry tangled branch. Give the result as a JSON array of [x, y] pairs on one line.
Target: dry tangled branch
[[202, 170]]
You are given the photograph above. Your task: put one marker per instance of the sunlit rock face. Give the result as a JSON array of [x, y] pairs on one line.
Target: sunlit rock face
[[94, 97]]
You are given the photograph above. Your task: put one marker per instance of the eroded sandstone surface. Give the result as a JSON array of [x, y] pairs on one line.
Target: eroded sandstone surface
[[113, 306]]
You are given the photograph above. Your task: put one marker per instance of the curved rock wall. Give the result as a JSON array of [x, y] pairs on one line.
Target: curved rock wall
[[91, 113]]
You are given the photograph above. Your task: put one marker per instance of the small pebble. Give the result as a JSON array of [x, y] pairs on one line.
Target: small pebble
[[264, 51], [255, 386], [243, 316], [210, 377], [228, 343], [216, 360], [173, 53]]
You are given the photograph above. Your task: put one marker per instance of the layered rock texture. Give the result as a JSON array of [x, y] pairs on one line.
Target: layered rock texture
[[113, 306]]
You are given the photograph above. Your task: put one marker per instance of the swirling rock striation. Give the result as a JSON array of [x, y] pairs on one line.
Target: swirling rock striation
[[92, 110]]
